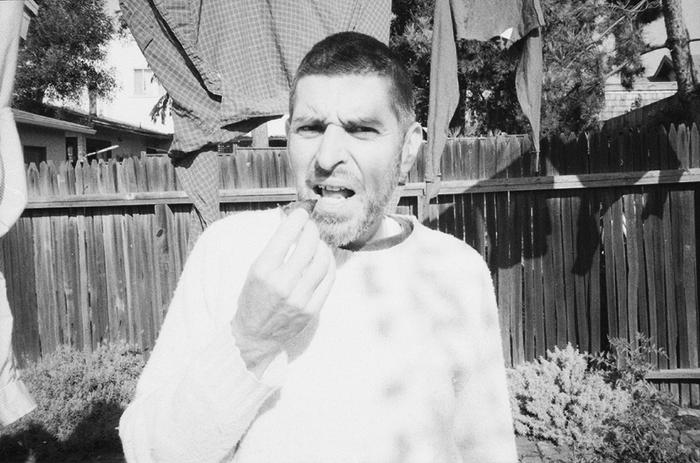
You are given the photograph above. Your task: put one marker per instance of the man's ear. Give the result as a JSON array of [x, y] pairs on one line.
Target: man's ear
[[411, 145]]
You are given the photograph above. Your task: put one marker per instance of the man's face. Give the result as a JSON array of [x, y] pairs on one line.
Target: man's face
[[345, 145]]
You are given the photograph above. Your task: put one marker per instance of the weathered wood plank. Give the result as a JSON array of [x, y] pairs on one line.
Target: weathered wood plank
[[126, 239], [515, 236], [63, 278], [678, 374], [98, 298], [84, 308]]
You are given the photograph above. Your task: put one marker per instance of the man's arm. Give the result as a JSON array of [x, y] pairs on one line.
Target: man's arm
[[195, 397], [202, 387], [483, 420]]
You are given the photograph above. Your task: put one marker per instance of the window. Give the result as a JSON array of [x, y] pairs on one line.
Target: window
[[35, 154], [72, 148], [92, 145], [144, 83]]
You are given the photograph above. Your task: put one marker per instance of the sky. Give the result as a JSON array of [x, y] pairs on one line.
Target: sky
[[656, 33]]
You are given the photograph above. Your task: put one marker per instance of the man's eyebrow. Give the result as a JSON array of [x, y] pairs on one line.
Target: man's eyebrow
[[302, 119], [355, 121]]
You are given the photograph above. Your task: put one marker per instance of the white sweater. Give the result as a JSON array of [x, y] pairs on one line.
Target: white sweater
[[404, 364]]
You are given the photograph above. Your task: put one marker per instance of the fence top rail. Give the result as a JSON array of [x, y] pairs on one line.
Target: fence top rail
[[498, 185], [573, 182]]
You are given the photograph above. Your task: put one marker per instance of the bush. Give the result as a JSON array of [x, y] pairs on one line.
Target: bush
[[559, 399], [643, 433], [80, 397], [646, 430], [599, 407]]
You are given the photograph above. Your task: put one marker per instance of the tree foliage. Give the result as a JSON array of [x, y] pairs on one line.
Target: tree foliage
[[584, 42], [64, 53]]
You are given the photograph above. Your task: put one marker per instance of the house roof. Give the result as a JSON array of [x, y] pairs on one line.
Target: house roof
[[106, 123], [124, 127], [83, 123], [665, 72], [24, 117]]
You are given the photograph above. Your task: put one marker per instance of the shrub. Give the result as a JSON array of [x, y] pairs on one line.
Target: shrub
[[599, 407], [80, 397], [628, 362], [645, 431], [559, 399]]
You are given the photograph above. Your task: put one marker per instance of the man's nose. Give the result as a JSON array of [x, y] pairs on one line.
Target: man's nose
[[332, 150]]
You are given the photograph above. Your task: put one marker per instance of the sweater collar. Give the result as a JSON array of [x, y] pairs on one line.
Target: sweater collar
[[390, 241]]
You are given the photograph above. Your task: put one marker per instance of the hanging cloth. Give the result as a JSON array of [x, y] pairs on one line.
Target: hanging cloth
[[228, 66], [480, 20]]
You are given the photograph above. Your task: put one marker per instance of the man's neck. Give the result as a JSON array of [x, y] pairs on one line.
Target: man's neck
[[386, 228]]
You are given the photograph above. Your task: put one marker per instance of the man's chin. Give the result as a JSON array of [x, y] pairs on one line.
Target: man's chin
[[335, 229]]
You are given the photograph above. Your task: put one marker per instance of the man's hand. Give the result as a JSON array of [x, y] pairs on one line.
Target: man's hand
[[285, 289]]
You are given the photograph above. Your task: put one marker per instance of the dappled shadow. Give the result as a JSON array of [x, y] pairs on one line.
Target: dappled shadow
[[31, 443], [488, 216], [95, 435], [588, 245]]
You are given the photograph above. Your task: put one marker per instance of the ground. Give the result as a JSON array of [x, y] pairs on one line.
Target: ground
[[528, 450]]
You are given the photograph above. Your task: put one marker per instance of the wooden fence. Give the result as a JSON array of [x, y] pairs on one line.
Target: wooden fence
[[599, 240]]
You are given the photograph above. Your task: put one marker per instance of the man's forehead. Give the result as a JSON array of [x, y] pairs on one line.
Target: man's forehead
[[361, 93]]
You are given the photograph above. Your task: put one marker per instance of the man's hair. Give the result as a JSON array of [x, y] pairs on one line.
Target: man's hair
[[352, 53]]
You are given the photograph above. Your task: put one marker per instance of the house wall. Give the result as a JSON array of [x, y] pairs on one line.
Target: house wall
[[619, 100], [130, 144], [127, 104], [54, 140]]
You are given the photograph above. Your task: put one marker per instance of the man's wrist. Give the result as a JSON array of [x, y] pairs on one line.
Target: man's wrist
[[257, 354]]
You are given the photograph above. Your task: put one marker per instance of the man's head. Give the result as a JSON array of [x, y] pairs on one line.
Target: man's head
[[351, 134], [352, 53]]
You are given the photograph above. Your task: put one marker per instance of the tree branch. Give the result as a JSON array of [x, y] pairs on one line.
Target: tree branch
[[605, 33], [659, 46]]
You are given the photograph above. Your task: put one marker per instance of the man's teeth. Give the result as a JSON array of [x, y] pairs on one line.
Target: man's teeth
[[336, 192]]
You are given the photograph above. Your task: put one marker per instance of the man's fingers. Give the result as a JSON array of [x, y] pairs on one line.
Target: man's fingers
[[303, 253], [312, 279], [286, 234], [321, 292]]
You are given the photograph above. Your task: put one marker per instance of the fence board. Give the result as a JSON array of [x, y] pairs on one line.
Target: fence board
[[162, 259], [514, 271], [42, 263], [64, 280], [98, 300], [504, 286], [112, 284]]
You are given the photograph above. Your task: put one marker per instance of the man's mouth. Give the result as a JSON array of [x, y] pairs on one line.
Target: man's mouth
[[333, 192]]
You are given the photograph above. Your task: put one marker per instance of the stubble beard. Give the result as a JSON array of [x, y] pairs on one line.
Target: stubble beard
[[340, 231]]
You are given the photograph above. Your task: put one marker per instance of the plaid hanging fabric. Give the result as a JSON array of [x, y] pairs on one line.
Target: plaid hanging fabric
[[228, 65]]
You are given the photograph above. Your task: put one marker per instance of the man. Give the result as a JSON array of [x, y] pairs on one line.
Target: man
[[350, 335]]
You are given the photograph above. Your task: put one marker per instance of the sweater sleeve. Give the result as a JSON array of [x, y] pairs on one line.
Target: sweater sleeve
[[483, 420], [195, 397]]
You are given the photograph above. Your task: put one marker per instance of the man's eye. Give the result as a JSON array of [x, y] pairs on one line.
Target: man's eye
[[310, 129], [362, 130]]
